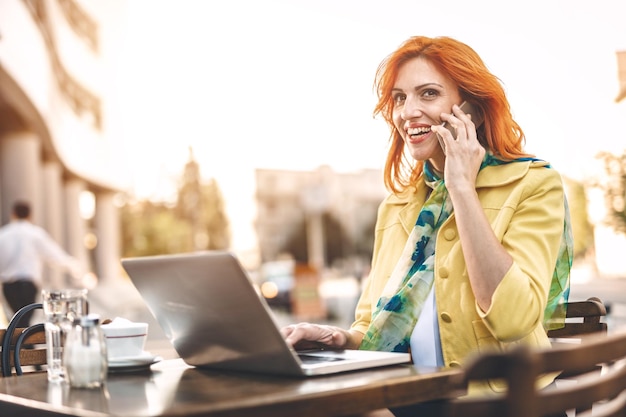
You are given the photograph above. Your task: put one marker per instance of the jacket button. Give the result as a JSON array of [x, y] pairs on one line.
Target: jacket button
[[446, 317], [449, 234], [444, 272]]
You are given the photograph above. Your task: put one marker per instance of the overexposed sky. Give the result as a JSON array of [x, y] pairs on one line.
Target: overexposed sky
[[288, 83]]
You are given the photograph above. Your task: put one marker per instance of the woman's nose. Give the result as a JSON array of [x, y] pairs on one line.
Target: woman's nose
[[411, 109]]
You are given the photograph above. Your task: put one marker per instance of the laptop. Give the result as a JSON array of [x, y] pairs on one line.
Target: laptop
[[214, 317]]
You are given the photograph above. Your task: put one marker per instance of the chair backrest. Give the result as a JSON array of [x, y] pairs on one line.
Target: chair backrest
[[14, 339], [35, 355], [582, 318], [604, 393]]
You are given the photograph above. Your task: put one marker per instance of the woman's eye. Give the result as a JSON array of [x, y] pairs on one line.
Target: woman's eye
[[398, 99], [430, 93]]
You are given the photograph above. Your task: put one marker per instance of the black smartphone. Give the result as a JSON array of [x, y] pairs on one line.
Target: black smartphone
[[467, 108]]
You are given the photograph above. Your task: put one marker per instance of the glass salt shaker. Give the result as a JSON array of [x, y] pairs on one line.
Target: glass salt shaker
[[85, 354]]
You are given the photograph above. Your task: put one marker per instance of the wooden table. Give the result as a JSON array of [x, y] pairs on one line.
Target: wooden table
[[172, 388]]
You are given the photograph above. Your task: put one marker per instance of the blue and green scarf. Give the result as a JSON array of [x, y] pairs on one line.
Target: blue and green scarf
[[412, 278]]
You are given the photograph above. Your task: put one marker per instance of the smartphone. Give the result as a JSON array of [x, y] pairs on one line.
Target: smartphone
[[477, 118]]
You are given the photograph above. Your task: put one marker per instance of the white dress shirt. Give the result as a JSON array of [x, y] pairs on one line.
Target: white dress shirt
[[26, 247]]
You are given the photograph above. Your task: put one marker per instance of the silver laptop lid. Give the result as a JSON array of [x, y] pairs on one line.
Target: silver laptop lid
[[210, 311]]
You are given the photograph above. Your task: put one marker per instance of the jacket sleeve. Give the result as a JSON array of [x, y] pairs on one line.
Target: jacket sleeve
[[532, 237], [56, 257]]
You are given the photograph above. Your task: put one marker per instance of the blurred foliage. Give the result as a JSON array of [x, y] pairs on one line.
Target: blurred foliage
[[581, 226], [202, 205], [197, 221], [214, 219], [614, 188], [152, 228]]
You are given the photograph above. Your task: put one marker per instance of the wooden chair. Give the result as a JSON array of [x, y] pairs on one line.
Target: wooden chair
[[603, 394], [582, 318], [14, 340]]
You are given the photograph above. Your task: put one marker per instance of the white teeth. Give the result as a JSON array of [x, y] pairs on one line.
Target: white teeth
[[417, 130]]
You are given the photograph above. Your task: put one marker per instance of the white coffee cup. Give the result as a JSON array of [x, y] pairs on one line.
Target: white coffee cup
[[124, 338]]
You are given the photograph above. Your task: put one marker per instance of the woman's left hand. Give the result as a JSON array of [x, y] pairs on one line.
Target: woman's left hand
[[464, 154], [309, 336]]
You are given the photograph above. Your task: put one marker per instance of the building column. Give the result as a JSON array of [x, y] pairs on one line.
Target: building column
[[107, 225], [315, 240], [315, 201], [52, 180], [75, 225], [20, 172]]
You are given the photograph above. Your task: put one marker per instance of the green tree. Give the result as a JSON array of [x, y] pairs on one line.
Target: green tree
[[581, 226], [201, 206], [150, 228], [614, 188], [214, 219], [197, 220], [189, 205]]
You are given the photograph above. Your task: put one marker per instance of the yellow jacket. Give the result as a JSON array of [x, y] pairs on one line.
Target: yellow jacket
[[524, 203]]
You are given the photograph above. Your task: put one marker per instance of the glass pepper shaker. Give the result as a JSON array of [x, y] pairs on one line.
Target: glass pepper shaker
[[85, 354]]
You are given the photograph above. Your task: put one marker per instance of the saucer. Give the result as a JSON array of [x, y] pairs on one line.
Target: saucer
[[133, 363]]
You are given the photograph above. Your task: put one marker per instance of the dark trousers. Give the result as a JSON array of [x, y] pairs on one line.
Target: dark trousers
[[20, 293]]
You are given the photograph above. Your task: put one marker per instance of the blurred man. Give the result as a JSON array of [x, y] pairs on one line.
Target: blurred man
[[24, 249]]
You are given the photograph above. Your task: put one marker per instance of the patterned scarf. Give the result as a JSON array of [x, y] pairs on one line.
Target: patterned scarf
[[410, 283]]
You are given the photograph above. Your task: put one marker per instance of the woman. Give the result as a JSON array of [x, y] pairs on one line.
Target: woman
[[473, 247]]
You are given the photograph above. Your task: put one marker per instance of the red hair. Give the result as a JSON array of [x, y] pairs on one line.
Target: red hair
[[502, 135]]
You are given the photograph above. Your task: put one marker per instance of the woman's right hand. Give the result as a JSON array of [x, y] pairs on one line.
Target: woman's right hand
[[309, 336]]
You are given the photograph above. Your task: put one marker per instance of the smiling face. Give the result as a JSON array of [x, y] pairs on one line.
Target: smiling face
[[420, 94]]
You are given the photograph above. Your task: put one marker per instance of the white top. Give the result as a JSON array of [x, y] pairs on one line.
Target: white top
[[425, 340], [26, 247]]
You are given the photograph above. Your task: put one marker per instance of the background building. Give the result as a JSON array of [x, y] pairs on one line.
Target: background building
[[55, 124], [286, 199]]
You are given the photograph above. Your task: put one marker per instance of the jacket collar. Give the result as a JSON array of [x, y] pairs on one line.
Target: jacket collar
[[498, 175]]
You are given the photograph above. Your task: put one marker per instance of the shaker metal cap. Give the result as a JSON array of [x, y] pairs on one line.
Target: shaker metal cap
[[88, 320]]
